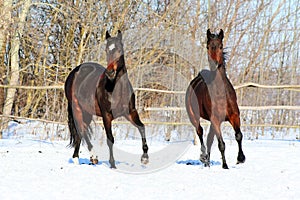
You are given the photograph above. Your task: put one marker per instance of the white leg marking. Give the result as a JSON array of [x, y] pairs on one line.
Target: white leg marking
[[76, 160], [93, 154]]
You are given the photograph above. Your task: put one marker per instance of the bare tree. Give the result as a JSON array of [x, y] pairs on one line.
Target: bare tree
[[14, 74], [164, 40]]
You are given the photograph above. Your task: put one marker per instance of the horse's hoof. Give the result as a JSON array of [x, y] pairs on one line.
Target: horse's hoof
[[206, 164], [113, 166], [241, 159], [240, 162], [145, 159], [76, 161], [205, 160], [225, 166], [94, 161]]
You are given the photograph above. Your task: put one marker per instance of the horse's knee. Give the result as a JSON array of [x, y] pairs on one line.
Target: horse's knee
[[221, 145], [239, 136], [200, 130], [141, 129], [145, 147], [110, 140]]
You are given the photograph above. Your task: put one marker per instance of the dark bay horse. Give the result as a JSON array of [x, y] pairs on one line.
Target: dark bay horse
[[92, 89], [211, 96]]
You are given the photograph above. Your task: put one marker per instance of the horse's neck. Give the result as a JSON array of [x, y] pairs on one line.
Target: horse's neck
[[122, 66], [223, 75], [221, 70], [217, 77], [122, 72]]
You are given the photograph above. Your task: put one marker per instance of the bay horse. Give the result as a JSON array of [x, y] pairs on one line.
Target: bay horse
[[211, 96], [91, 90]]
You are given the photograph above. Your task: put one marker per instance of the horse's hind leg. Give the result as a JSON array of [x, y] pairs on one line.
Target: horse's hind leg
[[75, 138], [209, 141], [235, 122], [79, 122], [134, 118], [87, 118]]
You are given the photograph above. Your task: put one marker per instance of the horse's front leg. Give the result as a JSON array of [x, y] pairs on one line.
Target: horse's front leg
[[235, 122], [134, 118], [215, 129], [107, 119]]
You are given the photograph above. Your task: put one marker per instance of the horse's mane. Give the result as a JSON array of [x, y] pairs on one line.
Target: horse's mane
[[225, 57]]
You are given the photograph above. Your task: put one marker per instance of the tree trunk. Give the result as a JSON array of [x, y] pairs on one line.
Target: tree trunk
[[14, 56], [4, 25]]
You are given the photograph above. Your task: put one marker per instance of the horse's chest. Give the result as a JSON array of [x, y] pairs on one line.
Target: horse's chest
[[117, 101], [217, 92]]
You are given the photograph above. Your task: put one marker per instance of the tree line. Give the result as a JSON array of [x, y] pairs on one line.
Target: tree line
[[165, 47]]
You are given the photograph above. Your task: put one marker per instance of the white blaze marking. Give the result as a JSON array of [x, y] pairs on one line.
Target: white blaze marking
[[111, 47]]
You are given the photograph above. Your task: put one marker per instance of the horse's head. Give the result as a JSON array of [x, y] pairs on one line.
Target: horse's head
[[215, 49], [114, 52]]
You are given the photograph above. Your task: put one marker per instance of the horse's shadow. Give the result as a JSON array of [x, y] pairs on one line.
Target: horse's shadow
[[86, 161], [197, 162]]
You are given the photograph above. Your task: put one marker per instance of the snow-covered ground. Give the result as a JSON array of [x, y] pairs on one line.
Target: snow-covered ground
[[34, 168]]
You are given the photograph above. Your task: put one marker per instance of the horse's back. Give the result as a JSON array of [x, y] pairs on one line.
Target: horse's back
[[197, 86], [88, 75], [195, 96], [89, 70], [82, 83]]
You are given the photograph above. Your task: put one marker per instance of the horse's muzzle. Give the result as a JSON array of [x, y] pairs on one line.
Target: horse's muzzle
[[111, 74]]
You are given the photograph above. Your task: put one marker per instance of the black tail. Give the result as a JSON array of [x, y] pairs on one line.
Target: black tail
[[74, 136]]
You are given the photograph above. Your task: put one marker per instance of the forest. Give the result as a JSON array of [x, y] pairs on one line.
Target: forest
[[41, 41]]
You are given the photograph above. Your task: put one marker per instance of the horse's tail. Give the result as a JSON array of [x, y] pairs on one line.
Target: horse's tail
[[74, 136]]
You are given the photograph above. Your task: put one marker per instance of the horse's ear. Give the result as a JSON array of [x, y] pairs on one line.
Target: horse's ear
[[221, 35], [208, 33], [119, 35], [107, 35]]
